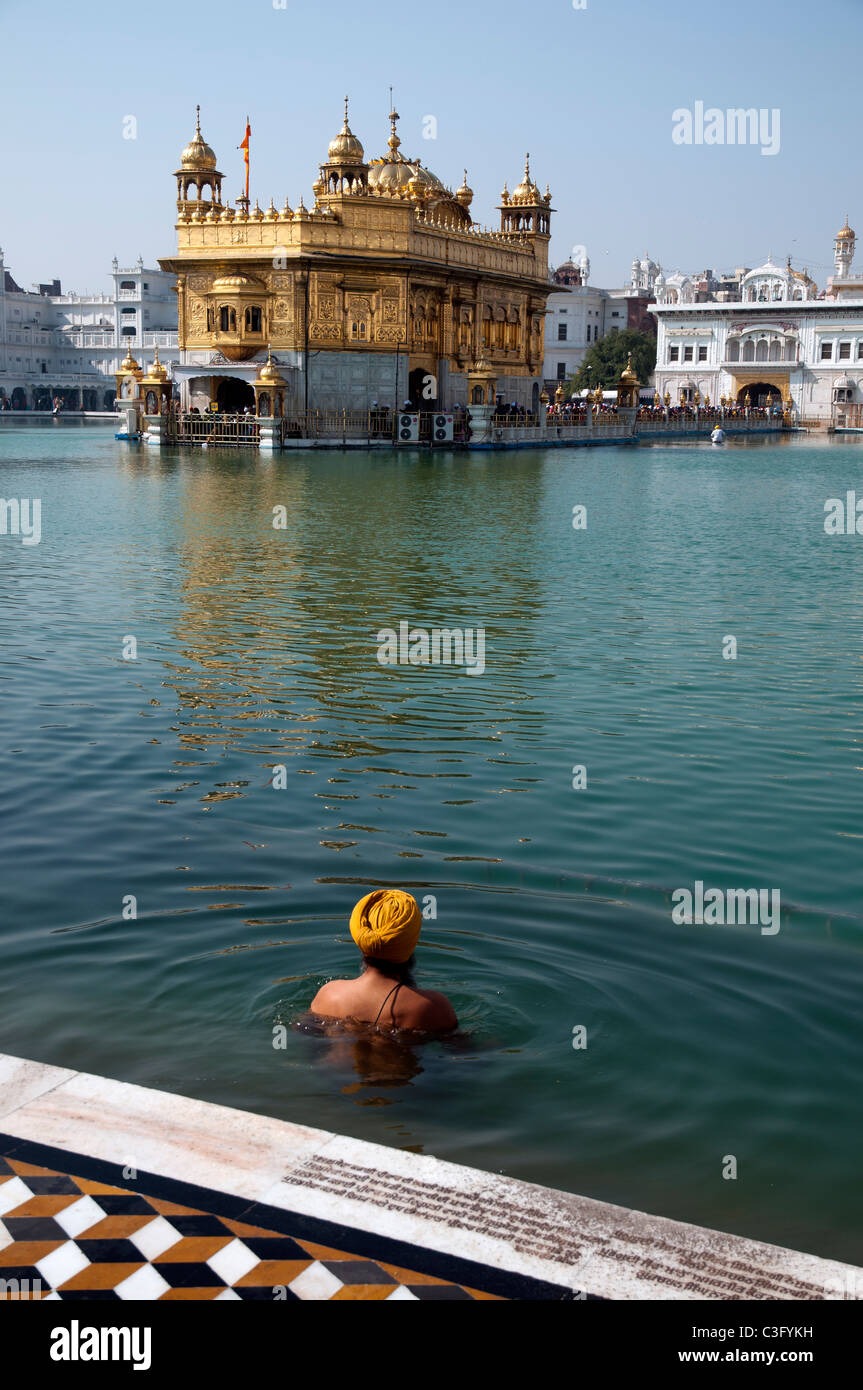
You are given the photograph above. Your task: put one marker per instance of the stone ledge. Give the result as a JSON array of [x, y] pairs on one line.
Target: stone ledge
[[376, 1196]]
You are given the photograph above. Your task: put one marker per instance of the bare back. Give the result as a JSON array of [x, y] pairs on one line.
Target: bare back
[[376, 999]]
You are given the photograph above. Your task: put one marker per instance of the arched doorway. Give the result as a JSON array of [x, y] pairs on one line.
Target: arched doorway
[[758, 393], [233, 395], [419, 383], [19, 398]]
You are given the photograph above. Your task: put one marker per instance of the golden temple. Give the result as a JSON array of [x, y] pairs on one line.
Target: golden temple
[[383, 290]]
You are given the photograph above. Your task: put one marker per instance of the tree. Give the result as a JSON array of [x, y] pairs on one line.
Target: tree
[[606, 360]]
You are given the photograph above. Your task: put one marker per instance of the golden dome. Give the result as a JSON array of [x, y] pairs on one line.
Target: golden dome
[[390, 175], [465, 193], [198, 155], [392, 172], [233, 283], [417, 186], [627, 376], [269, 374], [157, 371], [846, 233], [129, 364], [345, 148], [526, 192]]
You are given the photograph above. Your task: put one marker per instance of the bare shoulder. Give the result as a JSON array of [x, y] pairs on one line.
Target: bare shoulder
[[329, 998], [429, 1010]]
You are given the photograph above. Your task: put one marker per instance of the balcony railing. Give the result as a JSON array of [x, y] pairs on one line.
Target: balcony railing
[[214, 430]]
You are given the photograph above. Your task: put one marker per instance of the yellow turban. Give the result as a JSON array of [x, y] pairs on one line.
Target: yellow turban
[[386, 924]]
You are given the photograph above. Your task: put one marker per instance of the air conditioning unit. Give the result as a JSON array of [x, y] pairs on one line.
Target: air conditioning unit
[[442, 429], [409, 429]]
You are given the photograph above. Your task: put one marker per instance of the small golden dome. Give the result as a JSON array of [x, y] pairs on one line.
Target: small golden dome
[[269, 374], [482, 367], [846, 233], [129, 364], [627, 376], [236, 282], [198, 155], [345, 148], [465, 193], [157, 371], [526, 191]]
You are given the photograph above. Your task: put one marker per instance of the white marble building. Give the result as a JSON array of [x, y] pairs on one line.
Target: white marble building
[[70, 345], [576, 317], [781, 337]]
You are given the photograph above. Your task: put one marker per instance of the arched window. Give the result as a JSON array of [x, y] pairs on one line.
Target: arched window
[[263, 404], [476, 396], [790, 350], [253, 319], [734, 350], [127, 332], [127, 284], [751, 295], [761, 351], [777, 292], [359, 332], [749, 351], [227, 319], [151, 403], [775, 351]]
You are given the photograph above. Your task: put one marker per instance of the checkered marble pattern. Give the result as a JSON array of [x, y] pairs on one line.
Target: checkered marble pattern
[[73, 1239]]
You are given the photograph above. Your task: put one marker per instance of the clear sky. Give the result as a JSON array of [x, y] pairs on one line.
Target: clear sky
[[588, 91]]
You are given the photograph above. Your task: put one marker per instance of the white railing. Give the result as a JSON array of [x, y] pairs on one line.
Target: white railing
[[160, 338]]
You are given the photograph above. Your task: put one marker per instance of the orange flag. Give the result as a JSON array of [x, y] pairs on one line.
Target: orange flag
[[245, 148]]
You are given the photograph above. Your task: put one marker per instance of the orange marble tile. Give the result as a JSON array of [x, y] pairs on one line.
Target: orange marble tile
[[189, 1295], [484, 1297], [323, 1252], [102, 1276], [170, 1208], [409, 1276], [27, 1252], [194, 1249], [272, 1272], [368, 1293], [31, 1170], [240, 1228], [48, 1204], [94, 1188], [117, 1227]]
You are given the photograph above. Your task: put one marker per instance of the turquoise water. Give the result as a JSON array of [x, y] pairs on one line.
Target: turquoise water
[[256, 647]]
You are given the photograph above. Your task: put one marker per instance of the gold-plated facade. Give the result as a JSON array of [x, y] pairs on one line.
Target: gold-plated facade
[[386, 261]]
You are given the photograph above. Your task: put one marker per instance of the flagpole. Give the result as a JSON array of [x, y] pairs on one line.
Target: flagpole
[[243, 201]]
